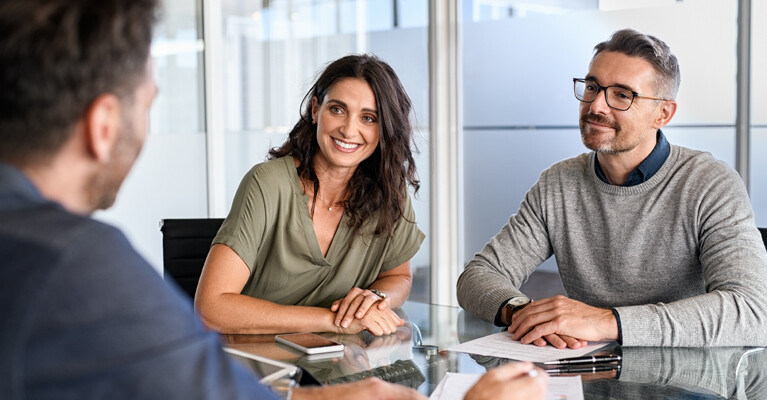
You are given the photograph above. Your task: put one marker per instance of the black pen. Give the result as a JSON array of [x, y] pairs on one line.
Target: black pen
[[585, 360], [583, 370]]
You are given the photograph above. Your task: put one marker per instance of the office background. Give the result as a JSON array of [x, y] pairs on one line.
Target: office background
[[232, 74]]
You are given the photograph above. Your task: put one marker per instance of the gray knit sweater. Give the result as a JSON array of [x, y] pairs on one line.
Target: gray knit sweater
[[678, 256]]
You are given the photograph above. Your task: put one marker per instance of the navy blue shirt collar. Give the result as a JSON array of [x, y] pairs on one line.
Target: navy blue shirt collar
[[16, 189], [647, 168]]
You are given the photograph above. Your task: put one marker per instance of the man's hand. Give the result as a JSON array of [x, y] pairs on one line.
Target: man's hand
[[512, 381], [356, 304], [562, 322]]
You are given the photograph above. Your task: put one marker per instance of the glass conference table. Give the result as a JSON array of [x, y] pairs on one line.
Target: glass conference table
[[416, 356]]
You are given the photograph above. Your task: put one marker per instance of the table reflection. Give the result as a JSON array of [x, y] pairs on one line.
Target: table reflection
[[416, 356], [700, 373]]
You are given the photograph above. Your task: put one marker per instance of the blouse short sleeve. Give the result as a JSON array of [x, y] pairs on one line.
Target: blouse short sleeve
[[405, 241], [244, 227]]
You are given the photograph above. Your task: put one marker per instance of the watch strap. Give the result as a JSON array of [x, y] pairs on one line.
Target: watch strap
[[378, 293]]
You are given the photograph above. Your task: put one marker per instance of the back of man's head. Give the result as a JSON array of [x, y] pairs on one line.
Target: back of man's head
[[56, 57]]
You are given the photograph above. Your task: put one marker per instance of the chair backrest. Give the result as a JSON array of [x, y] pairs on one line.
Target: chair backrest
[[763, 231], [185, 245]]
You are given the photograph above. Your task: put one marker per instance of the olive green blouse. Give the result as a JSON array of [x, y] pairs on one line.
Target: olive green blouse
[[270, 228]]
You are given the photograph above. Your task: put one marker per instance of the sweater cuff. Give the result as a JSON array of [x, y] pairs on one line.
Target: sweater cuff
[[497, 319], [620, 330]]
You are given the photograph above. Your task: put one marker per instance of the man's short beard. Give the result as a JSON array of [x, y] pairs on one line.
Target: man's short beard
[[105, 185], [607, 148]]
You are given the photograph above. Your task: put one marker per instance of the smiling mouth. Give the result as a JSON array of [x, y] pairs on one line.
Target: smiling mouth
[[597, 124], [344, 145], [595, 120]]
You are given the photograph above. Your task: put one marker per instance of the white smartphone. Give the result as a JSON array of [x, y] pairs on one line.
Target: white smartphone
[[336, 355], [309, 343]]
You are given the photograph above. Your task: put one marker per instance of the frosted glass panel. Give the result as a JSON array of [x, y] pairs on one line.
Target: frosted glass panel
[[518, 70], [178, 53], [759, 110], [720, 142], [759, 174], [500, 167], [759, 65]]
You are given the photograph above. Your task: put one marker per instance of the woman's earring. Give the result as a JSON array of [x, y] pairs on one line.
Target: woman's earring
[[314, 122]]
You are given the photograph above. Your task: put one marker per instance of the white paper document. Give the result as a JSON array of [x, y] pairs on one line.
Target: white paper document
[[502, 345], [454, 386]]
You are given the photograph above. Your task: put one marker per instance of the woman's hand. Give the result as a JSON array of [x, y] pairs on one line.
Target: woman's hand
[[377, 322], [356, 304], [355, 358]]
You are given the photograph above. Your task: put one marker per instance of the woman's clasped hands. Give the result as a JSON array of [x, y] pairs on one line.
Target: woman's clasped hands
[[361, 310]]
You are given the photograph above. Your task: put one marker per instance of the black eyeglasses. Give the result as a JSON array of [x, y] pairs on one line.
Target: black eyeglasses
[[617, 97]]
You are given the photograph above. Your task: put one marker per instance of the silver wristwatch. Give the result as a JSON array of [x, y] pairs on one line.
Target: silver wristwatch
[[517, 302]]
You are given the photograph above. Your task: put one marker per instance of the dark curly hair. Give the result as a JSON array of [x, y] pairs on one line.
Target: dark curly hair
[[379, 185]]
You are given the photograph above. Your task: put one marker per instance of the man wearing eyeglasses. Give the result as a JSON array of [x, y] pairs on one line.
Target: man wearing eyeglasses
[[656, 244]]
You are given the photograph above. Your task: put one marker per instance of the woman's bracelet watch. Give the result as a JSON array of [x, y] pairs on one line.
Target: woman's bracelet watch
[[378, 293]]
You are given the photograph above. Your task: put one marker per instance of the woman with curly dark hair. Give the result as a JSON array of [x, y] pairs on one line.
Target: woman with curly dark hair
[[320, 237]]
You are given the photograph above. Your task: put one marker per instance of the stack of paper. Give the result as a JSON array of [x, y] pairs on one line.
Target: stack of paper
[[502, 345], [454, 386]]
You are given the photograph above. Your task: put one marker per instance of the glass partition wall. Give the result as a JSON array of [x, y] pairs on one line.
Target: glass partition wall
[[759, 110]]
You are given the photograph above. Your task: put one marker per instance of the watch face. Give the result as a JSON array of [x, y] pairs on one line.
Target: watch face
[[518, 301]]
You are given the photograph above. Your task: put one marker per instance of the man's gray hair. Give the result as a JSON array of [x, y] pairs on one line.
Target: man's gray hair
[[650, 49]]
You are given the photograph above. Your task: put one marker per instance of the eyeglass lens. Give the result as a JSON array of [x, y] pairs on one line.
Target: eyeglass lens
[[616, 97]]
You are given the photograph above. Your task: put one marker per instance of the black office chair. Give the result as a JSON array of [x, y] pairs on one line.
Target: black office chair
[[763, 231], [185, 245]]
